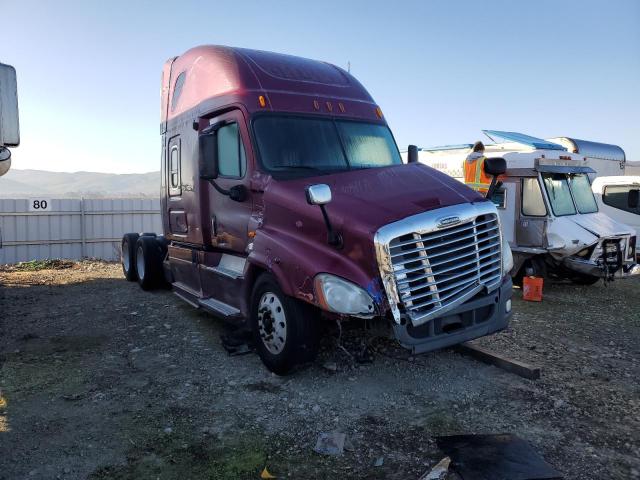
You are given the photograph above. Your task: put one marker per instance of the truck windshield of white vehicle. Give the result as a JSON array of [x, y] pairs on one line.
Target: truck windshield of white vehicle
[[559, 193], [582, 193], [291, 146], [568, 192]]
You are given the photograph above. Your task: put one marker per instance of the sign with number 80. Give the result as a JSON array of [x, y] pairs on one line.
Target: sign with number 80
[[39, 205]]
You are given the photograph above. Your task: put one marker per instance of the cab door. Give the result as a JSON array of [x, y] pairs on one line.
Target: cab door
[[531, 226], [229, 217]]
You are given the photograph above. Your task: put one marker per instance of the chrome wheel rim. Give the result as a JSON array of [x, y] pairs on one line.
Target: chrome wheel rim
[[126, 261], [140, 263], [272, 323]]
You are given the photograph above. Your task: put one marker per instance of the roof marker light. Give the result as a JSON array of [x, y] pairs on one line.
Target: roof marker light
[[341, 107], [379, 112], [262, 101], [329, 106], [316, 104]]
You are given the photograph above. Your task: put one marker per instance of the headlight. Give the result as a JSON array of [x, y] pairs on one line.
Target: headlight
[[507, 257], [341, 296]]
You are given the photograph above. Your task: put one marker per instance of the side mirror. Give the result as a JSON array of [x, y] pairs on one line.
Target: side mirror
[[632, 199], [5, 160], [412, 154], [9, 126], [319, 194], [495, 166], [208, 162]]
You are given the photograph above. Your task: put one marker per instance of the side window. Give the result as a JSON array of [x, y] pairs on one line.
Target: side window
[[617, 196], [175, 187], [532, 200], [177, 90], [232, 161]]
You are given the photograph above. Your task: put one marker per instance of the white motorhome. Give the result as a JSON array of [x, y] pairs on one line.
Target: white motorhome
[[550, 216], [9, 128]]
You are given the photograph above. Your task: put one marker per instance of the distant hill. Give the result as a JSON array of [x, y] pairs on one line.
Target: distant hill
[[27, 183]]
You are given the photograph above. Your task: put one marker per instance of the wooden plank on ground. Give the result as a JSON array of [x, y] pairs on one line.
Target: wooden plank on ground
[[512, 366]]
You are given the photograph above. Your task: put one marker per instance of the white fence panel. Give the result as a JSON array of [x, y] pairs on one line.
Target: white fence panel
[[72, 228]]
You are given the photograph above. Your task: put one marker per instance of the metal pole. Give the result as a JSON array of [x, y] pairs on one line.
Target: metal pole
[[82, 230]]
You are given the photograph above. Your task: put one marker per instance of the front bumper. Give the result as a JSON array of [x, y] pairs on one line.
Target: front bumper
[[480, 316], [588, 267]]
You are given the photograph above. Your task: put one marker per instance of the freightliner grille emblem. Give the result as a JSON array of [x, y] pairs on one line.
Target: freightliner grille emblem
[[448, 222]]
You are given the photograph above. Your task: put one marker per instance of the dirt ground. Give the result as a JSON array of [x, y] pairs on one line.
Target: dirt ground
[[101, 380]]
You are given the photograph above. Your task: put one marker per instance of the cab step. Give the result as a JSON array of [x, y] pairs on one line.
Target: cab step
[[219, 308]]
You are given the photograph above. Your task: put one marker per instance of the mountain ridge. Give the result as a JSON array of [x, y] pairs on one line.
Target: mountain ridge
[[29, 182]]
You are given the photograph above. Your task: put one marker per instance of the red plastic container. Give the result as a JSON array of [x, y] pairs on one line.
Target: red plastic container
[[532, 289]]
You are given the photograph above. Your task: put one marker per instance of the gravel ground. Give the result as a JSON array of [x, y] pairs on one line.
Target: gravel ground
[[102, 380]]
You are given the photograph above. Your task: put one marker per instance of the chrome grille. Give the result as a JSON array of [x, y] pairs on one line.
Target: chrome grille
[[434, 271]]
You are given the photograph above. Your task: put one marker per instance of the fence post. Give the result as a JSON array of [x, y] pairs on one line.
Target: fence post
[[82, 232]]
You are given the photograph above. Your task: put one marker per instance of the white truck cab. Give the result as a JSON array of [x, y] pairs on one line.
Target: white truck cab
[[550, 215], [616, 192]]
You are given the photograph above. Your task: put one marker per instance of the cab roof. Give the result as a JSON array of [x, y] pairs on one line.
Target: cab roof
[[209, 77]]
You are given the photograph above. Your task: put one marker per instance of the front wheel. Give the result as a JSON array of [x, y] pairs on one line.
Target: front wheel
[[285, 330]]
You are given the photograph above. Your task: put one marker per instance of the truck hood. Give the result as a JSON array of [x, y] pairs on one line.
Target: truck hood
[[601, 225], [371, 198]]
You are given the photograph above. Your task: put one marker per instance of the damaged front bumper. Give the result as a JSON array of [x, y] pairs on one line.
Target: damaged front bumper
[[484, 314], [589, 267]]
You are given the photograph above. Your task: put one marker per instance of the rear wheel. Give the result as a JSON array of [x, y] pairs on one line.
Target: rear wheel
[[149, 263], [128, 256], [285, 330]]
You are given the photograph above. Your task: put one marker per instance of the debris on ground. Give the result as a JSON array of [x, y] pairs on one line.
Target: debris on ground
[[330, 366], [330, 443], [439, 471], [487, 457], [36, 265], [236, 342], [266, 475]]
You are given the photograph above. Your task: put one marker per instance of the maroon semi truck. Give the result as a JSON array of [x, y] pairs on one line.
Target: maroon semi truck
[[285, 203]]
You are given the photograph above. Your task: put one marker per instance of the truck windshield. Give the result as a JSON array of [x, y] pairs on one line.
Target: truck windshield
[[559, 193], [312, 146], [582, 194], [568, 191]]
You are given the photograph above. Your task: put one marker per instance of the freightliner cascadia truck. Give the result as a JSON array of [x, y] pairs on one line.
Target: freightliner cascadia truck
[[285, 203]]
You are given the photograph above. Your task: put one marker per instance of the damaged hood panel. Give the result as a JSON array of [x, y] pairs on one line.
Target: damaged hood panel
[[602, 225]]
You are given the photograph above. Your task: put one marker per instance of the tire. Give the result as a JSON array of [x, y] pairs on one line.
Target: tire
[[582, 279], [149, 263], [285, 330], [128, 256], [536, 264]]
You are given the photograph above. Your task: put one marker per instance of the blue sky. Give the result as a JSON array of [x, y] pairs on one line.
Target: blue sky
[[89, 72]]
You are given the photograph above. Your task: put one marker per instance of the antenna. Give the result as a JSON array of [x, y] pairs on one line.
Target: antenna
[[349, 66]]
